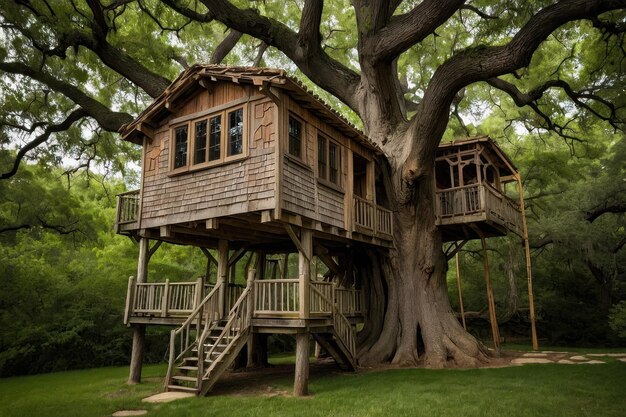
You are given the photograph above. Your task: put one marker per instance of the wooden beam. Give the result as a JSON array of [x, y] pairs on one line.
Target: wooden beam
[[165, 231], [296, 241], [457, 247], [222, 274], [266, 216], [304, 271], [301, 379], [495, 332], [236, 256], [212, 224], [529, 272], [208, 255]]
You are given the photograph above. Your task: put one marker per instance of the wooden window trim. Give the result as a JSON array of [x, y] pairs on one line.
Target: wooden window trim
[[191, 141], [303, 139], [326, 179]]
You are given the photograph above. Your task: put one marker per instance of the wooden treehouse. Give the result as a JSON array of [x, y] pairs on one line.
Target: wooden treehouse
[[245, 164], [248, 163]]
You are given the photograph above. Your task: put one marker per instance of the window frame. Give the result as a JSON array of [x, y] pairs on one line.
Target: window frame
[[302, 156], [326, 178], [191, 141]]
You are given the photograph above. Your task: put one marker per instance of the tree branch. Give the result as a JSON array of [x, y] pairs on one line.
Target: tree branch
[[477, 11], [52, 128], [106, 118], [404, 31], [323, 70], [606, 207], [227, 45], [482, 63]]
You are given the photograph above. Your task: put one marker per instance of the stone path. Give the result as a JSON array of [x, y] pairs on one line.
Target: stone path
[[165, 397], [566, 358], [129, 413]]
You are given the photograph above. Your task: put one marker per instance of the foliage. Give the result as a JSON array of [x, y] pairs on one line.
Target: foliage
[[618, 319]]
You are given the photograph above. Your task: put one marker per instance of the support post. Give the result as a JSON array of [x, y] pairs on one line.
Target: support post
[[304, 271], [301, 381], [492, 306], [222, 274], [139, 330], [531, 301], [458, 286]]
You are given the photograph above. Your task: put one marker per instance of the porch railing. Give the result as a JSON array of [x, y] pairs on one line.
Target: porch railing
[[128, 207], [348, 301], [277, 296], [371, 218]]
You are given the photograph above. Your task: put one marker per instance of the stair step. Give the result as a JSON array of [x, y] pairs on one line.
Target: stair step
[[187, 368], [182, 388], [185, 378]]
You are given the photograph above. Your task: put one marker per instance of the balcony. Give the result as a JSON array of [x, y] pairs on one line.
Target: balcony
[[480, 207], [371, 219], [127, 211]]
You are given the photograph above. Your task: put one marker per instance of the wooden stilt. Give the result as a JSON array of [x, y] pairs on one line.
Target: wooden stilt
[[531, 302], [301, 380], [222, 274], [492, 306], [458, 286], [139, 331]]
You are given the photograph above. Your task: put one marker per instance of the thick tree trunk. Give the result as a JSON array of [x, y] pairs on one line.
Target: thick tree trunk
[[417, 305]]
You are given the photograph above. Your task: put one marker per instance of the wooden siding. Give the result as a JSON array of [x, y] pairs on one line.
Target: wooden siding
[[330, 206], [240, 186], [298, 189]]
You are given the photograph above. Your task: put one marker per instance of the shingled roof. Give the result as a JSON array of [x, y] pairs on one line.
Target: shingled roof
[[188, 82]]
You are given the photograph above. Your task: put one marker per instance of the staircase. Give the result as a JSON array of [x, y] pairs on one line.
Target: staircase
[[340, 340], [196, 363]]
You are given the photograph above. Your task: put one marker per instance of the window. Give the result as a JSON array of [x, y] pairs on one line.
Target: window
[[322, 160], [328, 160], [235, 132], [295, 137], [180, 147], [204, 142], [200, 144], [215, 135]]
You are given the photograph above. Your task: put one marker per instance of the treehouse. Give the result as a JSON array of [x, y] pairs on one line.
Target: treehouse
[[471, 177], [248, 163], [249, 166]]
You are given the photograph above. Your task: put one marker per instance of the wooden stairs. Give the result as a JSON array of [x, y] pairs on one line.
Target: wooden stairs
[[337, 349], [204, 359]]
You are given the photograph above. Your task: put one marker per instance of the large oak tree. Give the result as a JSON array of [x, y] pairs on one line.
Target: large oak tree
[[74, 71]]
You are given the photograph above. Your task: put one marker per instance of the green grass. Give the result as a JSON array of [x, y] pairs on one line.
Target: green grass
[[532, 390]]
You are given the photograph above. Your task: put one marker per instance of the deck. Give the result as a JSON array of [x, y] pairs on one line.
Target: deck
[[479, 208], [276, 302]]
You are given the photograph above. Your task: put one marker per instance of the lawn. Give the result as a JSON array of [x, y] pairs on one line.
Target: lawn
[[532, 390]]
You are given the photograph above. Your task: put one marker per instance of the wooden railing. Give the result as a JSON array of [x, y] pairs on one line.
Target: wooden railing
[[370, 218], [234, 292], [162, 298], [128, 207], [348, 301], [477, 198], [343, 328], [201, 319], [321, 296], [276, 296], [345, 331]]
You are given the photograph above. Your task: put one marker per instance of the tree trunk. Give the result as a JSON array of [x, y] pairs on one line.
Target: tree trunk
[[417, 296]]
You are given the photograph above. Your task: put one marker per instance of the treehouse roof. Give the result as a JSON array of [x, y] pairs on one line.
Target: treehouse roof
[[200, 76], [485, 142]]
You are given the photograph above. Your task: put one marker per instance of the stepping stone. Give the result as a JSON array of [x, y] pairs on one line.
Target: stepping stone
[[612, 355], [166, 397], [567, 362], [523, 361], [552, 351], [534, 355], [621, 359], [129, 413], [578, 358], [591, 362]]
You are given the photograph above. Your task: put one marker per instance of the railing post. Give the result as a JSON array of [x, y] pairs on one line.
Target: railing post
[[164, 301], [130, 299], [250, 301], [199, 290]]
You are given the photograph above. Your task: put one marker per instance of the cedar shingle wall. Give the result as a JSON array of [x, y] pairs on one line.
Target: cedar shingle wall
[[232, 188]]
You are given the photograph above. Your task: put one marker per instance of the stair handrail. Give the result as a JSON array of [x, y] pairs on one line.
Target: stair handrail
[[239, 312], [343, 328], [184, 331]]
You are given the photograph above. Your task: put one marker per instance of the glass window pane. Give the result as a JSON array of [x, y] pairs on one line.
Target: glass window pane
[[322, 165], [200, 143], [215, 136], [235, 132], [295, 137], [180, 147], [334, 160]]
